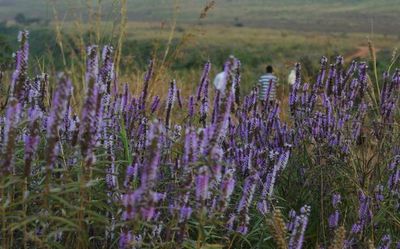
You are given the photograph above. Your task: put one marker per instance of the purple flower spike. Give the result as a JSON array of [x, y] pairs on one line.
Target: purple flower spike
[[32, 138], [170, 103], [336, 200], [300, 224], [10, 136], [227, 187], [204, 78], [125, 240], [202, 181], [385, 243], [56, 117], [154, 105], [89, 120], [333, 220], [19, 77]]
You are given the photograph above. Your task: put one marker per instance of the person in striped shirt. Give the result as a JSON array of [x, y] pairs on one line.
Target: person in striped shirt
[[264, 82]]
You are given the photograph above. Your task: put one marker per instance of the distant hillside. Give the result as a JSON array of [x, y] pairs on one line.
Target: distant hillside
[[305, 15]]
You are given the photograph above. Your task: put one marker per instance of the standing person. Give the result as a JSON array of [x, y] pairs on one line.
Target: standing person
[[264, 82], [220, 81], [292, 77]]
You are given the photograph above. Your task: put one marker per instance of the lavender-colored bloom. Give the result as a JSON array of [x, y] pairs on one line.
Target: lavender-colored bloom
[[328, 83], [149, 173], [292, 218], [204, 104], [148, 210], [379, 197], [226, 189], [130, 201], [297, 235], [187, 147], [125, 98], [333, 220], [364, 213], [215, 107], [32, 138], [350, 71], [125, 240], [356, 228], [245, 202], [204, 79], [336, 200], [92, 66], [131, 174], [322, 72], [55, 119], [88, 127], [185, 213], [385, 243], [154, 105], [362, 69], [202, 181], [394, 177], [237, 80], [296, 87], [10, 136], [170, 102], [111, 175], [19, 77]]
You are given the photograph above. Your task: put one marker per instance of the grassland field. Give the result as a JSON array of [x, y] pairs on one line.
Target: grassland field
[[257, 32]]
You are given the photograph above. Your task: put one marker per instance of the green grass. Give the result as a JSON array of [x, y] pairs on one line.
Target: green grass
[[273, 32]]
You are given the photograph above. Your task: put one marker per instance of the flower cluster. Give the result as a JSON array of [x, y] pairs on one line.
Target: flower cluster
[[161, 180]]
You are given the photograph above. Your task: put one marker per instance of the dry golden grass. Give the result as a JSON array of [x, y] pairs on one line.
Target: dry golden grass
[[278, 229]]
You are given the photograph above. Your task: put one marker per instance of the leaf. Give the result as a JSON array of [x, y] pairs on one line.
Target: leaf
[[124, 139]]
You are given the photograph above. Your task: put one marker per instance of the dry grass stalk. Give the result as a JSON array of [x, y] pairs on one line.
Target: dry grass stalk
[[278, 229], [340, 236]]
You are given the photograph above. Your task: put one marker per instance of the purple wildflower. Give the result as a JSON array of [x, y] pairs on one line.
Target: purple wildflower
[[56, 118], [204, 78], [10, 136], [19, 77], [226, 189], [300, 224], [385, 243], [88, 127], [32, 138], [333, 220], [170, 102], [154, 105], [125, 239], [202, 181], [336, 200]]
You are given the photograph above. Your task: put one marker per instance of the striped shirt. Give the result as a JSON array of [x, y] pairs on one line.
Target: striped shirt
[[263, 84]]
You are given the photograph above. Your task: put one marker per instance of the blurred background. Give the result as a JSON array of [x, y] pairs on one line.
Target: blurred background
[[182, 35]]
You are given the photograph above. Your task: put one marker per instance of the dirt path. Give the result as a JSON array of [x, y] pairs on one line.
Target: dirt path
[[361, 52]]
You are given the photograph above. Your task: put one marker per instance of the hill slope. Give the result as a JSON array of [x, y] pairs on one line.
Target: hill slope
[[305, 15]]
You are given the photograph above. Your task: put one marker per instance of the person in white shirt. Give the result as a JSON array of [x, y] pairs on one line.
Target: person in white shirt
[[292, 77], [220, 79], [220, 82]]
